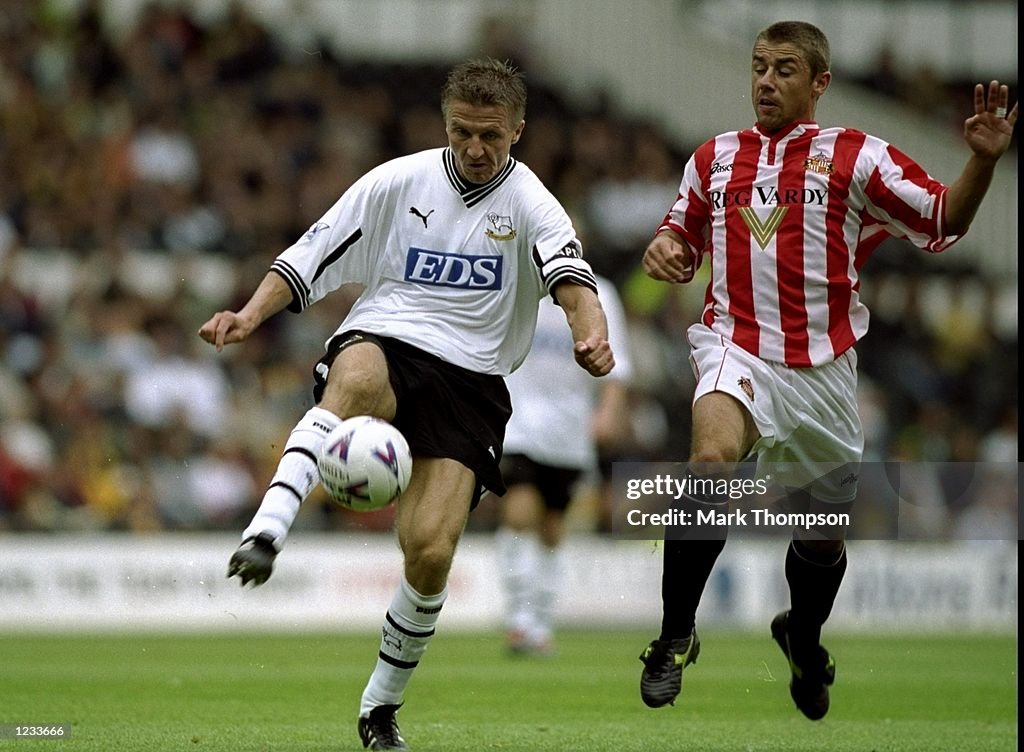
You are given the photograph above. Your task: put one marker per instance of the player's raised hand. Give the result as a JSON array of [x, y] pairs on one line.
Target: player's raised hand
[[668, 258], [989, 130], [228, 327], [595, 356], [225, 328]]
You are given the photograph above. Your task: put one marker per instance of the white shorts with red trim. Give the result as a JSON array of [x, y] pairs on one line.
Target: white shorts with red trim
[[811, 434]]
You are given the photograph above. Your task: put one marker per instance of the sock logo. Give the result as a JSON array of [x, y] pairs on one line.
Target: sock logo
[[431, 610], [391, 640]]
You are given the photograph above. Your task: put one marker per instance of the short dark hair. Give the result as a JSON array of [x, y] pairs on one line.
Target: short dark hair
[[809, 38], [486, 82]]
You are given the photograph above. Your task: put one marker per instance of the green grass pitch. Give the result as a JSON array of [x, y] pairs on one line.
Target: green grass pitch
[[277, 693]]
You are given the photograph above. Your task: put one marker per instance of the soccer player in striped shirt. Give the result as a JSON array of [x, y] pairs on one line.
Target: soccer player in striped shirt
[[786, 213], [455, 247]]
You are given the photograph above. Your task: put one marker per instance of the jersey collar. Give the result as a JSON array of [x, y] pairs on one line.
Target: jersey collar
[[473, 193], [796, 128]]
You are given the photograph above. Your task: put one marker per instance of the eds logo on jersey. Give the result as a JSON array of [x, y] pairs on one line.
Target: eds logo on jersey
[[453, 270]]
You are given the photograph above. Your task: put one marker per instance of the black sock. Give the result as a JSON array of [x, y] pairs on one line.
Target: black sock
[[691, 552], [814, 580], [686, 569]]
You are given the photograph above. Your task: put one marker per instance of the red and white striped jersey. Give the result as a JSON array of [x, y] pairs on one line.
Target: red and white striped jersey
[[787, 220]]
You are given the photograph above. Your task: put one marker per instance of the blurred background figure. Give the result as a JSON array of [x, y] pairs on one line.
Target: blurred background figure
[[561, 423]]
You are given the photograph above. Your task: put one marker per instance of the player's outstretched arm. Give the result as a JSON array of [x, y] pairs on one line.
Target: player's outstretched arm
[[669, 258], [987, 133], [589, 328], [228, 327]]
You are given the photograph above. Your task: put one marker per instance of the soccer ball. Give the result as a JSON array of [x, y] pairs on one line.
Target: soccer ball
[[364, 463]]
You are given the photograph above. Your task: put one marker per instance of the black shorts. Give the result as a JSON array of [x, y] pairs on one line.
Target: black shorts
[[443, 410], [555, 484]]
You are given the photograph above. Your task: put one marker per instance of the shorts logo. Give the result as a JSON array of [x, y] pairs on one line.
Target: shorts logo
[[453, 270], [747, 387], [502, 227]]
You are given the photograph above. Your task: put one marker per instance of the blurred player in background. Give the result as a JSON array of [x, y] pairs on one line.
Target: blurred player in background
[[786, 213], [560, 418], [455, 247]]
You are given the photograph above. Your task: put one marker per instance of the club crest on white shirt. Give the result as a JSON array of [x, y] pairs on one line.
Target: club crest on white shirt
[[500, 227]]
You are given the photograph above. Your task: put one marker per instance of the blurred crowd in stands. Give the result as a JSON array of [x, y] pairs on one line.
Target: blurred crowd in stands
[[149, 179], [922, 88]]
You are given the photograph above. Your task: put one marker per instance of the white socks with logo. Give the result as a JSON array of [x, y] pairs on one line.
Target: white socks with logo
[[296, 476], [408, 627]]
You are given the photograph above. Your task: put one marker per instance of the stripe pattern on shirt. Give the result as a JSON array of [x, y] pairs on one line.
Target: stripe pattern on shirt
[[787, 220], [292, 277]]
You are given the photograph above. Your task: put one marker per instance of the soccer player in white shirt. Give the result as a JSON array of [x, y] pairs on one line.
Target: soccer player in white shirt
[[786, 213], [455, 247], [560, 414]]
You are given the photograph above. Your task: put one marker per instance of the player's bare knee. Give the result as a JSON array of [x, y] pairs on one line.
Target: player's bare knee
[[714, 457], [518, 522], [427, 565], [359, 391], [551, 537], [551, 529], [519, 509]]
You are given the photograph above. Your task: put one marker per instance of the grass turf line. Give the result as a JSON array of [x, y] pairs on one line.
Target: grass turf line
[[277, 693]]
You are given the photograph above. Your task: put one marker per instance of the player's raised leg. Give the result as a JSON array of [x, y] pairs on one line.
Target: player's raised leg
[[356, 383], [431, 516], [296, 476]]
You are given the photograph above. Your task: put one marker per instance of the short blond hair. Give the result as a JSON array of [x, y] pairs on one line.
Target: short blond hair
[[484, 83]]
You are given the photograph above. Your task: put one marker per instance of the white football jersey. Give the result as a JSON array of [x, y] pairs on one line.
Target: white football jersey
[[553, 399], [451, 267]]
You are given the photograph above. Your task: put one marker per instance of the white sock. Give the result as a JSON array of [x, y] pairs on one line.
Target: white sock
[[408, 627], [546, 585], [517, 563], [295, 478]]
